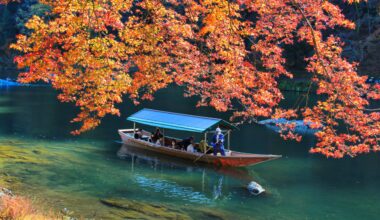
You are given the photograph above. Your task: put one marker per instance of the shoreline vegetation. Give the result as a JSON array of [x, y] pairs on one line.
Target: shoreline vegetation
[[15, 207]]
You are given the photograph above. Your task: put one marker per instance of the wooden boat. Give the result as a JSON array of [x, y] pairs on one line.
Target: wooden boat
[[158, 160], [183, 122]]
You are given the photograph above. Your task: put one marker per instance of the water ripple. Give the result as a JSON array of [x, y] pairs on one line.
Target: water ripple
[[172, 190]]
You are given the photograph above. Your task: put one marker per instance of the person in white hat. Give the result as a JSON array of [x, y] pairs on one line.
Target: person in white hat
[[218, 142]]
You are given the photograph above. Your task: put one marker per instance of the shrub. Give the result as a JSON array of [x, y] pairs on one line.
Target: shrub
[[20, 208]]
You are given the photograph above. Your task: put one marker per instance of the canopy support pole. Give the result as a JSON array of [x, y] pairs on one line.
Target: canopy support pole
[[206, 136], [229, 139], [134, 127], [163, 137]]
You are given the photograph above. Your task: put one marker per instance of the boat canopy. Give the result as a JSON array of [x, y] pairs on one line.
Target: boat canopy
[[178, 121]]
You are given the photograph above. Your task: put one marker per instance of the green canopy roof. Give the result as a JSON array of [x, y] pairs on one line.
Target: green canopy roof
[[178, 121]]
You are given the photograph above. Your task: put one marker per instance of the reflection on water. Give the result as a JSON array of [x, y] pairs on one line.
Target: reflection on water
[[4, 106], [171, 189], [165, 187], [210, 178], [98, 177]]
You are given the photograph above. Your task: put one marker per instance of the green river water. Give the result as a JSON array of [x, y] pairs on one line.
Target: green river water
[[86, 174]]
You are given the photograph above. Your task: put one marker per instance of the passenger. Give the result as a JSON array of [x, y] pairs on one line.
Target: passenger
[[217, 142], [203, 146], [158, 142], [190, 148], [138, 134], [186, 142], [156, 136], [174, 143]]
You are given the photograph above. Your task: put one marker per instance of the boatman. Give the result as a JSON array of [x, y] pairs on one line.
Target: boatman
[[218, 142]]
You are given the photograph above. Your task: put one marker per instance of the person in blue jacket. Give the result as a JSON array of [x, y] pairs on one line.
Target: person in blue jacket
[[218, 142]]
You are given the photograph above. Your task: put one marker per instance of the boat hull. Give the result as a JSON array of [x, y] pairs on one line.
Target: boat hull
[[236, 159]]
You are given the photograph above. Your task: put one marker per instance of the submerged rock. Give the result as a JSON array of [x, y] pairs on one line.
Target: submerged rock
[[7, 180], [131, 209], [206, 213]]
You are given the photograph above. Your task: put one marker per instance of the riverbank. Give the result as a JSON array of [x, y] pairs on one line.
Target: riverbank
[[47, 172]]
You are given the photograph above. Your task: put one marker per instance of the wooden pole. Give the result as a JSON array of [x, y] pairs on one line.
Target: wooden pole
[[206, 144], [201, 155], [204, 153]]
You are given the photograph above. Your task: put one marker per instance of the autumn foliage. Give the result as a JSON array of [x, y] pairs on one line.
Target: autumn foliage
[[227, 52]]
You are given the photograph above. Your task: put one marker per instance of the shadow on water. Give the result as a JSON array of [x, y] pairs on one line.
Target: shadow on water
[[169, 162]]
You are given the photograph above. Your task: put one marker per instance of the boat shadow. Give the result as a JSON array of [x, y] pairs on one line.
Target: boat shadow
[[157, 159]]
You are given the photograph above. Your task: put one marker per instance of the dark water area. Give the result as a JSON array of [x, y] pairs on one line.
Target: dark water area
[[39, 158]]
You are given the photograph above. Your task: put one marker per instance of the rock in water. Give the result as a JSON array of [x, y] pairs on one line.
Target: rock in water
[[131, 209], [255, 189], [300, 126]]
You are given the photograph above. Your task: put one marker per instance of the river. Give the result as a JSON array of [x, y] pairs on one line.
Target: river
[[93, 177]]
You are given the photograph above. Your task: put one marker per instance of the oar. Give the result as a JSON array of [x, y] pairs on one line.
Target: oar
[[201, 155]]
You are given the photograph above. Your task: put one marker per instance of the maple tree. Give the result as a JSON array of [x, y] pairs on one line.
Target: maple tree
[[227, 52]]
